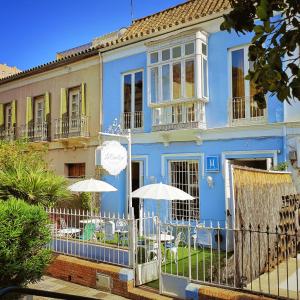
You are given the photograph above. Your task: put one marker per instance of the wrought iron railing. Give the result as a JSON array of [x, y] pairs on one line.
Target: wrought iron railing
[[72, 127], [254, 259], [132, 120], [8, 134], [37, 132], [92, 236], [187, 115], [245, 109]]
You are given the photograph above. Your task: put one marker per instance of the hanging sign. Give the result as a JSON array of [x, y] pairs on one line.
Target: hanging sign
[[113, 157]]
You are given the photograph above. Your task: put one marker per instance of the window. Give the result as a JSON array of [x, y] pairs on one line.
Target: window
[[39, 108], [172, 73], [74, 103], [75, 170], [8, 116], [243, 106], [185, 176], [133, 100]]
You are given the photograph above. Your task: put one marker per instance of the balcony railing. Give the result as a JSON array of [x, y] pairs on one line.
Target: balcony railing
[[132, 120], [71, 127], [35, 133], [245, 110], [188, 115], [8, 134]]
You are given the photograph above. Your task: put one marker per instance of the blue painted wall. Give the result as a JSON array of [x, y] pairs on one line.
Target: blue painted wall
[[212, 200]]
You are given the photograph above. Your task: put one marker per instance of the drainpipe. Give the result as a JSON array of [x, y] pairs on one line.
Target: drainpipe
[[100, 93], [284, 134]]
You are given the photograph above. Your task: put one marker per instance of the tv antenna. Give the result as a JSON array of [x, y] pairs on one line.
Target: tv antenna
[[131, 10]]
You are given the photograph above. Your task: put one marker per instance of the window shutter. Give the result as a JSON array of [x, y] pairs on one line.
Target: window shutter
[[14, 112], [63, 102], [28, 110], [1, 114], [47, 106], [83, 100]]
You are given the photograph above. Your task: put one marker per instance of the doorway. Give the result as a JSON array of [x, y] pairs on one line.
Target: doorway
[[137, 181]]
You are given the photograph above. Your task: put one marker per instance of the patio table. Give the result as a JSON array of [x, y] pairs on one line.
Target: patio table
[[69, 232], [164, 237], [93, 221]]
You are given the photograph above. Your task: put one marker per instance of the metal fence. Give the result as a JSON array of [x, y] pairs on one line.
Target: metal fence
[[253, 259], [97, 237]]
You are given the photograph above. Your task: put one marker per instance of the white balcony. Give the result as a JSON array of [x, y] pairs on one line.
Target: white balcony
[[187, 115], [244, 110], [35, 133], [133, 120], [71, 127], [8, 134]]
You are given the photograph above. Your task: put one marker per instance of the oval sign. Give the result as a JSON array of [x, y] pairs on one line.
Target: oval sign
[[113, 157]]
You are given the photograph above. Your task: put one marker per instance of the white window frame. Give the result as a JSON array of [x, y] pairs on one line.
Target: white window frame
[[197, 57], [37, 101], [8, 114], [71, 93], [247, 95], [132, 73], [188, 161]]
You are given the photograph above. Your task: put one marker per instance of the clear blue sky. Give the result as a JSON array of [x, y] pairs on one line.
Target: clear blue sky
[[32, 31]]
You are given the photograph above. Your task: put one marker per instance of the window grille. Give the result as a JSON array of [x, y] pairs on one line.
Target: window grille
[[185, 176]]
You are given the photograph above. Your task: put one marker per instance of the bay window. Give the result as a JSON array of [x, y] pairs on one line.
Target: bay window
[[177, 81]]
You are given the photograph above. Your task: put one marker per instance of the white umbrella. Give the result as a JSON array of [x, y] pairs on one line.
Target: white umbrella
[[160, 191], [91, 186]]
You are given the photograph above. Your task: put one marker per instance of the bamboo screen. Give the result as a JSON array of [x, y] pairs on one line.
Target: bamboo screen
[[258, 201], [258, 196]]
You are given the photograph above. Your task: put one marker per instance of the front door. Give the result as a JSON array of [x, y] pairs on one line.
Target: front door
[[137, 173]]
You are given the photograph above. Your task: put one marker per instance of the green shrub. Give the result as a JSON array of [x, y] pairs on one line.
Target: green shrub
[[281, 166], [24, 174], [86, 200], [23, 236]]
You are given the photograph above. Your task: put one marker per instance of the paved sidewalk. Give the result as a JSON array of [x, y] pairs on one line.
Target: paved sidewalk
[[55, 285], [282, 279]]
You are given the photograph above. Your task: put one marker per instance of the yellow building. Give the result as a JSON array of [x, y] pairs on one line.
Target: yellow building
[[6, 70], [56, 105]]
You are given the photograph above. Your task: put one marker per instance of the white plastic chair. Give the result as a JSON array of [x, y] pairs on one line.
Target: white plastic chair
[[109, 230], [173, 247]]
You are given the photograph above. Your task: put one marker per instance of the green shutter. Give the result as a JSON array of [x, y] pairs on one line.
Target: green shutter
[[47, 106], [28, 114], [14, 112], [28, 110], [63, 102], [83, 105], [1, 114]]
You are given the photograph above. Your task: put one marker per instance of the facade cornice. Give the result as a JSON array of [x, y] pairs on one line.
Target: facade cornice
[[222, 133]]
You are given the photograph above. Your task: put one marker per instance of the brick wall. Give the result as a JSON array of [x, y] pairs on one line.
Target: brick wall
[[83, 272]]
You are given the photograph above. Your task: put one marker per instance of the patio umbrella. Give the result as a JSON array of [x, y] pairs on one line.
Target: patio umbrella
[[91, 186], [160, 191]]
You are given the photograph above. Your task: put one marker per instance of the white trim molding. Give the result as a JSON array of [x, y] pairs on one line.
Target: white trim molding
[[180, 156], [272, 153], [142, 158]]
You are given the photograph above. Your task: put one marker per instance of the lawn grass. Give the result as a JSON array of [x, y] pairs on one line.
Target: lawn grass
[[201, 260]]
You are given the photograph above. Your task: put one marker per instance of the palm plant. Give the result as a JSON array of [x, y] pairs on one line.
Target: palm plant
[[27, 177]]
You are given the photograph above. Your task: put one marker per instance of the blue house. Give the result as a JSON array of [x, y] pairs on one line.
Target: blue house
[[178, 83]]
